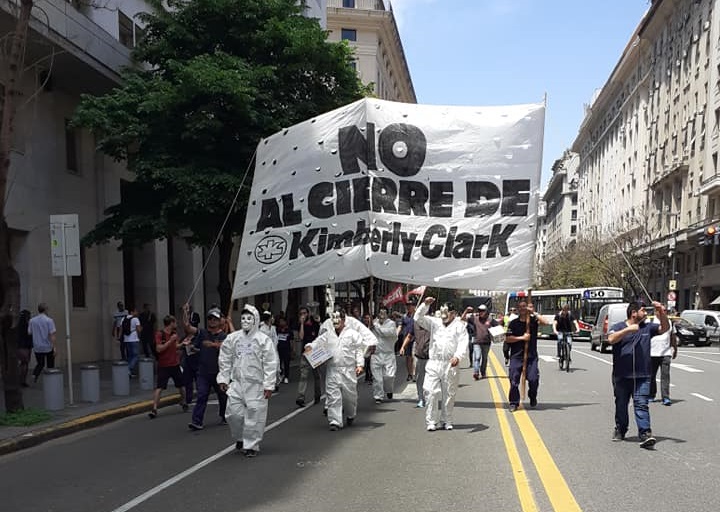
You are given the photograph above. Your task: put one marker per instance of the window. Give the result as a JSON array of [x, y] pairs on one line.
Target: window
[[71, 149], [573, 230], [573, 215], [125, 34], [353, 66], [78, 283], [349, 3], [348, 34]]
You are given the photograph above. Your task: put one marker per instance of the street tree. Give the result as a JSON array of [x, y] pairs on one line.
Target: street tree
[[213, 77], [12, 64]]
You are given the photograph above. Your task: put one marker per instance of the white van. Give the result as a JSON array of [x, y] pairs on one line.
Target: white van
[[609, 315], [707, 318]]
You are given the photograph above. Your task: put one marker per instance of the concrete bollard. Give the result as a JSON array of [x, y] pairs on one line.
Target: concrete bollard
[[120, 378], [90, 383], [53, 389], [146, 371]]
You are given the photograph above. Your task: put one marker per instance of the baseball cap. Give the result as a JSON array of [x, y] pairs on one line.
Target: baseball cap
[[482, 307], [215, 313]]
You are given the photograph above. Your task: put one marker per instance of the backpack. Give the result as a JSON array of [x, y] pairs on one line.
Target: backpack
[[127, 325]]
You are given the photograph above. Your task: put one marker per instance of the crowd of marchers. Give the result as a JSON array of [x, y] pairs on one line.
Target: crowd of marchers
[[244, 367]]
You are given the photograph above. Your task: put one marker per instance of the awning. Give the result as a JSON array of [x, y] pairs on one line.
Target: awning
[[716, 302]]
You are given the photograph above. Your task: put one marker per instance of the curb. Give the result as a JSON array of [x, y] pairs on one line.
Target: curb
[[36, 437]]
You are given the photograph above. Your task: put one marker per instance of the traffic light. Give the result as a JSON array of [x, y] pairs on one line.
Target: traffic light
[[711, 236]]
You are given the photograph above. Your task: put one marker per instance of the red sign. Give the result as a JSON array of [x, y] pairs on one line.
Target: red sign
[[671, 296]]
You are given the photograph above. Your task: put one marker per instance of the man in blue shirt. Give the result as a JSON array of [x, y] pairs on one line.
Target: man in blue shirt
[[632, 369]]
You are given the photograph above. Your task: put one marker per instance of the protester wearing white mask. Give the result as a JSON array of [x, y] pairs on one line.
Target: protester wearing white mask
[[347, 348], [248, 367], [448, 346], [384, 365]]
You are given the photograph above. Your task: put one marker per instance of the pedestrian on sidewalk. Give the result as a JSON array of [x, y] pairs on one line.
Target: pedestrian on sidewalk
[[148, 322], [131, 329], [24, 346], [209, 341], [248, 368], [42, 329], [118, 316], [168, 362]]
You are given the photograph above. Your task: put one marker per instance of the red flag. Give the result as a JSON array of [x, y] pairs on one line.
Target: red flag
[[420, 290], [393, 297]]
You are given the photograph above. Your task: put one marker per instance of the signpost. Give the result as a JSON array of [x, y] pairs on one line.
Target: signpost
[[65, 256], [671, 298]]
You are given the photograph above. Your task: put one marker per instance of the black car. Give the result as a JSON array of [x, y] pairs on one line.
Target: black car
[[688, 332]]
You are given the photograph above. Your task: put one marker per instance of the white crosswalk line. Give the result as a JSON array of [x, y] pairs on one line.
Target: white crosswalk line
[[702, 397], [548, 359], [686, 368]]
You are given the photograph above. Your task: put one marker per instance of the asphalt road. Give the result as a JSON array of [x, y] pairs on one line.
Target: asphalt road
[[558, 456]]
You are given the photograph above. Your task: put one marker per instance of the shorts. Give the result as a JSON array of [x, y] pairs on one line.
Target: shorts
[[165, 373]]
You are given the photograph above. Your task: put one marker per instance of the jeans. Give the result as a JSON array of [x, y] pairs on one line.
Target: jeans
[[637, 388], [663, 363], [532, 376], [204, 384], [131, 350], [568, 338], [480, 358]]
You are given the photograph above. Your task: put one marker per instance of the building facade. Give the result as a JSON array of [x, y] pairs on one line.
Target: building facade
[[648, 150], [369, 27], [561, 205]]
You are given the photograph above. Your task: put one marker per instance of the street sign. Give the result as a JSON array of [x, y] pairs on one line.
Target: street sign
[[670, 304], [672, 284], [671, 296], [65, 237]]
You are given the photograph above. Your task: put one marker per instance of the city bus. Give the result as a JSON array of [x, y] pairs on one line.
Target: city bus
[[585, 303]]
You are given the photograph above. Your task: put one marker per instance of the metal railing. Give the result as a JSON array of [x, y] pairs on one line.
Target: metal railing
[[367, 5]]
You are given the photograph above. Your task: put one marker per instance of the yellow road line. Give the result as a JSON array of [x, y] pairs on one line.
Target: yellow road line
[[556, 487], [521, 482]]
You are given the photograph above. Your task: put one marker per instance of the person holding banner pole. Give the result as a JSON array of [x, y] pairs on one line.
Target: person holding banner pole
[[523, 331], [448, 346]]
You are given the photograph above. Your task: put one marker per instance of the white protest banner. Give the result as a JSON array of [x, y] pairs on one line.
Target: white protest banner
[[445, 196]]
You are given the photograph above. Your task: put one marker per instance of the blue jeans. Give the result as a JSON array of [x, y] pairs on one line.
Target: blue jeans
[[131, 351], [480, 358], [568, 338], [532, 376], [639, 389], [204, 384]]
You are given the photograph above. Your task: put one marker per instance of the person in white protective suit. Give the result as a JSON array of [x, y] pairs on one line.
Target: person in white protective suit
[[248, 364], [448, 346], [383, 363], [347, 348]]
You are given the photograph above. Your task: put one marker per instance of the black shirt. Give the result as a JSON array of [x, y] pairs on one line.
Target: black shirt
[[208, 355], [517, 328]]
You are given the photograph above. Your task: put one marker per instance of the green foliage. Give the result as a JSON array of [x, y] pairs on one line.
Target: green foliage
[[24, 418], [219, 76]]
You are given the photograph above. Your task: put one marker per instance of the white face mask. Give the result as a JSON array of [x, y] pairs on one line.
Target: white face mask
[[382, 315], [444, 313], [336, 319], [247, 321]]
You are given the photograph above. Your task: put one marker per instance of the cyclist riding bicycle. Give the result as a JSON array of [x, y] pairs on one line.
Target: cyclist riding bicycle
[[563, 327]]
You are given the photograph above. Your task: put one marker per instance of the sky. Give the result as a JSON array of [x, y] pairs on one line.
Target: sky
[[500, 52]]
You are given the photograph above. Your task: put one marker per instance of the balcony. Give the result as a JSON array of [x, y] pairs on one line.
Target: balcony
[[365, 5], [710, 186], [677, 166]]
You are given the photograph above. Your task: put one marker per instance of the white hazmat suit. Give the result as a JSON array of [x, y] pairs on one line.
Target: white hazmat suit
[[382, 362], [441, 378], [248, 365], [348, 353]]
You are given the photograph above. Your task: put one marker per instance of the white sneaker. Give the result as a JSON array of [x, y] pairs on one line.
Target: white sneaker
[[286, 381], [431, 427], [448, 426]]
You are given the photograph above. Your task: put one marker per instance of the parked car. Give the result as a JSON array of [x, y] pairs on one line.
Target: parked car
[[688, 332], [609, 315], [707, 318]]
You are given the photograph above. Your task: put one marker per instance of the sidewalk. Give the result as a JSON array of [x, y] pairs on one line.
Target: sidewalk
[[80, 415]]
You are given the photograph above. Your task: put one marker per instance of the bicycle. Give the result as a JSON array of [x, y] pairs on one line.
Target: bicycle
[[565, 349]]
